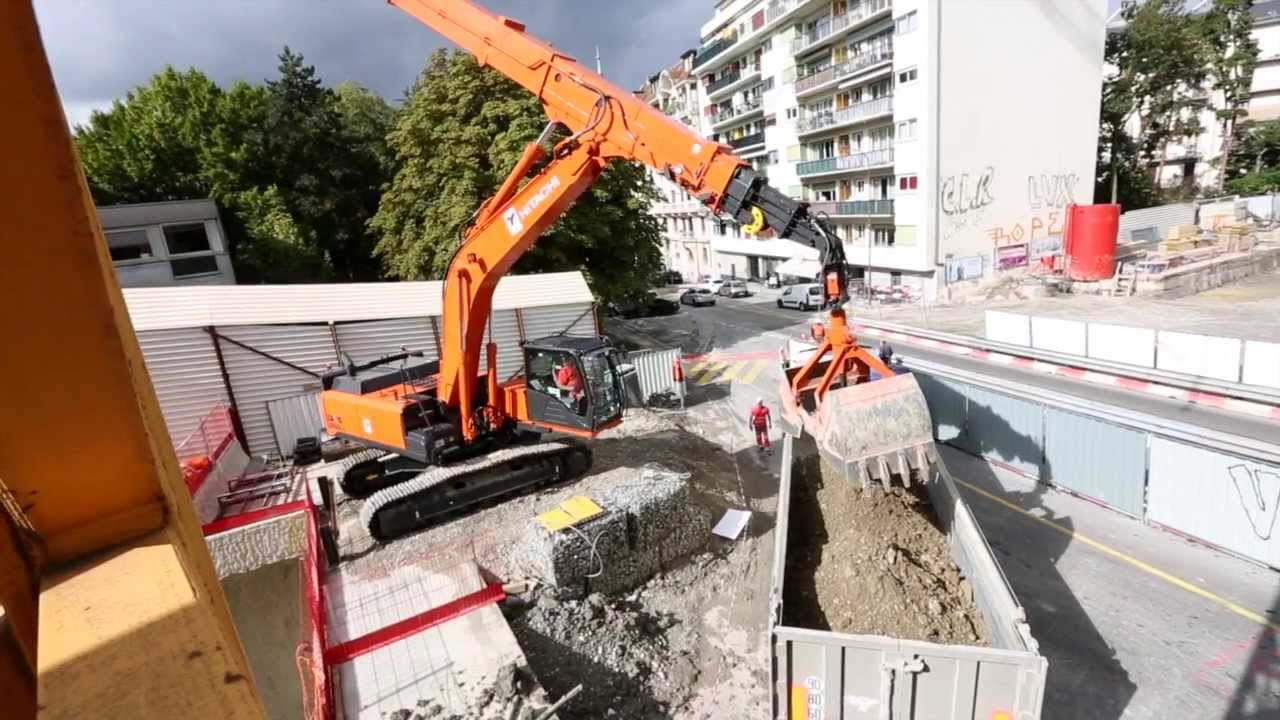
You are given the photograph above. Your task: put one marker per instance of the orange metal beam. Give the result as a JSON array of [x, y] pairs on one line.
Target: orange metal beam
[[132, 619]]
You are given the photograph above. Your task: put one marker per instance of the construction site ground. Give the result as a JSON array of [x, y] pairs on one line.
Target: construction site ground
[[1136, 622]]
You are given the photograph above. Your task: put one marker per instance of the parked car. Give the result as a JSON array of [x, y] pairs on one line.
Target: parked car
[[733, 289], [801, 297], [649, 306], [697, 296], [671, 277], [713, 285]]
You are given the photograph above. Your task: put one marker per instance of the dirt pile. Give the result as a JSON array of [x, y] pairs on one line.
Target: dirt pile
[[873, 562], [514, 693], [634, 663]]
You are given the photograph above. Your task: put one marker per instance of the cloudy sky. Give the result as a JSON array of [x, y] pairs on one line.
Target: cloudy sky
[[100, 49]]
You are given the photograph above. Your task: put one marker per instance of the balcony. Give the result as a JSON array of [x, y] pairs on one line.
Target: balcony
[[756, 138], [853, 208], [848, 68], [737, 111], [829, 27], [725, 42], [733, 80], [846, 163], [858, 112]]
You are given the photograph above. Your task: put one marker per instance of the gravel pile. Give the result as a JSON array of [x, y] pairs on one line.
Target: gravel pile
[[634, 663], [650, 522], [514, 695]]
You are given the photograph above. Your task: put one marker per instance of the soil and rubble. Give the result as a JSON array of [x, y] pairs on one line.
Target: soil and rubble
[[873, 562], [662, 648]]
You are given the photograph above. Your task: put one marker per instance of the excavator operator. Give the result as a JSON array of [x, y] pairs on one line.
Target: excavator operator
[[568, 378]]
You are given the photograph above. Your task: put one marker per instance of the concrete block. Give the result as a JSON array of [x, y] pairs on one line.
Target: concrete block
[[248, 548]]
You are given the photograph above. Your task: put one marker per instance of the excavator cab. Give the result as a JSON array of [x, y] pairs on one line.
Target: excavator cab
[[573, 384]]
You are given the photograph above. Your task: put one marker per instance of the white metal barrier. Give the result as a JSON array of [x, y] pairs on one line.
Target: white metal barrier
[[1251, 362]]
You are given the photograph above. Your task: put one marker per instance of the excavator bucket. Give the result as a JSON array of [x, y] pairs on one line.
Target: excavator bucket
[[870, 431], [875, 430]]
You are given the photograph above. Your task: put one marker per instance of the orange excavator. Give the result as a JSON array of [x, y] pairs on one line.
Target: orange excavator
[[440, 435]]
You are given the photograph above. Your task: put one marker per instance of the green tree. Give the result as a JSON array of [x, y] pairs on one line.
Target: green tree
[[1255, 162], [460, 132], [147, 147], [1228, 31], [1161, 65]]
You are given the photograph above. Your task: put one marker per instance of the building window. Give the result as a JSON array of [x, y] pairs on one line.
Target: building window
[[128, 245], [767, 85], [895, 278], [906, 130], [196, 265], [792, 112], [905, 24], [882, 236], [907, 182], [907, 76], [184, 239], [773, 157]]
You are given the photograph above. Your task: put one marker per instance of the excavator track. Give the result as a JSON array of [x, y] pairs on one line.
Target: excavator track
[[438, 491], [363, 473]]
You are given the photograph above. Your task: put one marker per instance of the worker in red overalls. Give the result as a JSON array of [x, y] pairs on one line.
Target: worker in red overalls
[[759, 421], [568, 378]]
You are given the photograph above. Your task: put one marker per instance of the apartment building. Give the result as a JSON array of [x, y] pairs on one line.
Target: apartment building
[[1197, 162], [942, 140]]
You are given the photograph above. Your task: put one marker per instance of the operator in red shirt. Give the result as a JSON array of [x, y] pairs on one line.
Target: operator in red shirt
[[759, 421], [568, 378]]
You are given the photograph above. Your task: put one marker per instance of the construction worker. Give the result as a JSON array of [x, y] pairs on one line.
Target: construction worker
[[759, 421], [886, 352], [568, 378]]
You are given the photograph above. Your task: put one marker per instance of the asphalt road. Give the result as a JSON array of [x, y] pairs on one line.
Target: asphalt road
[[1136, 622]]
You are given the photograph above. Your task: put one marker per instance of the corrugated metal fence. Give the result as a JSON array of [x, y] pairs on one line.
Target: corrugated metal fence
[[266, 364], [1220, 498], [655, 370]]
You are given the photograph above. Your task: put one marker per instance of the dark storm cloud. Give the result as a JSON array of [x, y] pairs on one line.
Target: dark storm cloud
[[100, 49]]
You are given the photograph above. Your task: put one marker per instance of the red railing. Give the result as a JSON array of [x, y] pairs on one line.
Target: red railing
[[200, 451], [313, 674]]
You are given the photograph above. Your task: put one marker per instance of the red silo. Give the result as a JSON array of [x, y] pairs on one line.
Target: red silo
[[1089, 241]]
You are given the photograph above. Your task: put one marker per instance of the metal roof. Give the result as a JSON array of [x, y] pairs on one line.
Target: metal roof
[[159, 308]]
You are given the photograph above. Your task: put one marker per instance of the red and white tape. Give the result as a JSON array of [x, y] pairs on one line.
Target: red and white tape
[[1213, 400]]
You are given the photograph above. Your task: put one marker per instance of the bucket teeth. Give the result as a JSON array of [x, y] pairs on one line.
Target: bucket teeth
[[875, 430]]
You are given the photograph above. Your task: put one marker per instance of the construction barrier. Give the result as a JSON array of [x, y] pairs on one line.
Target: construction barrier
[[1233, 360], [314, 676], [658, 372]]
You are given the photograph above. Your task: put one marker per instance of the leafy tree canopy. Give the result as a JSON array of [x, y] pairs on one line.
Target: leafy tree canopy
[[460, 132]]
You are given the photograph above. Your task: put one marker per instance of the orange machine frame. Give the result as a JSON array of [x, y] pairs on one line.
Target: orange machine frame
[[606, 124]]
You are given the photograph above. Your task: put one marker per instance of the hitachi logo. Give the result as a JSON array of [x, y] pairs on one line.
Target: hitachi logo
[[515, 218]]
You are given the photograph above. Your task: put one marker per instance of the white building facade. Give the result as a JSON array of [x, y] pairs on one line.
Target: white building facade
[[178, 242], [934, 136]]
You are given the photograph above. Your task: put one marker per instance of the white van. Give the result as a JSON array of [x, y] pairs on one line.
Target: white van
[[801, 297]]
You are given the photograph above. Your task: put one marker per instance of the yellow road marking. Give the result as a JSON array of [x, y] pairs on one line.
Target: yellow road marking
[[1130, 560], [695, 368], [713, 369], [732, 372], [753, 372]]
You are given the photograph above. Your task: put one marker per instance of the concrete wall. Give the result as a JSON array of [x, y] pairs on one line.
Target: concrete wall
[[1019, 90], [269, 614]]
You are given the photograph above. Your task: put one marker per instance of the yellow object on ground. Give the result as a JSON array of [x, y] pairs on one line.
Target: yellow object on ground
[[570, 512]]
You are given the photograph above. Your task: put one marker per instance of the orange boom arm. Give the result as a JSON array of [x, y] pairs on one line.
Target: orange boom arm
[[605, 124]]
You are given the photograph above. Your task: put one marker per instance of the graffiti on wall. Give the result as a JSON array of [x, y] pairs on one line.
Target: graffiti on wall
[[965, 194], [1038, 226], [1051, 191], [1259, 493], [963, 199]]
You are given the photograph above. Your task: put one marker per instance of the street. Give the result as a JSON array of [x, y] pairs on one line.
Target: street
[[1136, 622]]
